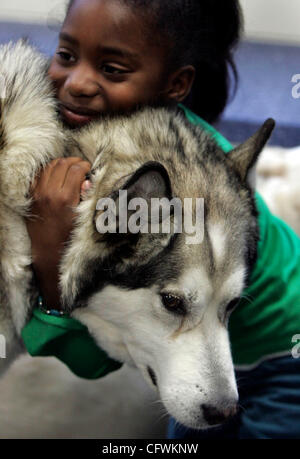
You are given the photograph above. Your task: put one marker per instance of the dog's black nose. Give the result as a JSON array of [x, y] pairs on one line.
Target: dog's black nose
[[214, 416]]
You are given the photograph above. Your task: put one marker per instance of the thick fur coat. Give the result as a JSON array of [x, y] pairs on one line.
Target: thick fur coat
[[120, 285]]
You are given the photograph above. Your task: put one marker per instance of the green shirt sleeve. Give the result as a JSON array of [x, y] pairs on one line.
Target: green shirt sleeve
[[68, 340]]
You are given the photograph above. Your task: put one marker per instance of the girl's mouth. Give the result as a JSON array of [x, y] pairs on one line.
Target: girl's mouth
[[77, 117]]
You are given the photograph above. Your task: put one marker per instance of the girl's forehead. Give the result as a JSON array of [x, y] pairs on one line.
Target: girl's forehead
[[109, 25], [111, 18]]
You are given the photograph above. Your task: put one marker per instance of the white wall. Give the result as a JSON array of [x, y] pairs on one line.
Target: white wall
[[37, 11], [266, 20], [272, 20]]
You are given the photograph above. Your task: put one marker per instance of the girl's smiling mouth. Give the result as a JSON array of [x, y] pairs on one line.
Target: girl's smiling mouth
[[77, 116]]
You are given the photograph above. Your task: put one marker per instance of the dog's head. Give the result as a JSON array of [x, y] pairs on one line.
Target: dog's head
[[162, 299]]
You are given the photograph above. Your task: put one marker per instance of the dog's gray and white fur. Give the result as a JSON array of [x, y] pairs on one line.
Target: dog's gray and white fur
[[114, 283]]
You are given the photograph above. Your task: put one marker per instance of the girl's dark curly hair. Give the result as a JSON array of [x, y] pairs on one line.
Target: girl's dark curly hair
[[203, 33]]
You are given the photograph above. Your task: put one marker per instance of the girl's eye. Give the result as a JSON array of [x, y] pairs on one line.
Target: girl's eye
[[65, 56], [112, 70], [173, 304]]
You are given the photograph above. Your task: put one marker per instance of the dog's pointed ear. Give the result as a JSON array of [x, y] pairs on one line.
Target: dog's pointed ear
[[244, 157], [129, 209], [150, 181]]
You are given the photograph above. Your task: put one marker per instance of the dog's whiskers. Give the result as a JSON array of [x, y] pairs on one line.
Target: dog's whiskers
[[163, 417], [154, 402]]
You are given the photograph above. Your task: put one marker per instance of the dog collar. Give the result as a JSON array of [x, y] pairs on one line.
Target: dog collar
[[63, 337]]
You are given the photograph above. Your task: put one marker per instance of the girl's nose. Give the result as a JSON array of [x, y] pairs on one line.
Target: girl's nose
[[81, 83]]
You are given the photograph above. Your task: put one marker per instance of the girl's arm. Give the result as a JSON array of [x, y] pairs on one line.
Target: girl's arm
[[55, 193]]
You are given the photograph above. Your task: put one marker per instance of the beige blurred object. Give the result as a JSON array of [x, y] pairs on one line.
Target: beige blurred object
[[278, 181], [41, 398]]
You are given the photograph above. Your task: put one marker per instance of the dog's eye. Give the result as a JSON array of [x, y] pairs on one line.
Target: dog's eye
[[232, 305], [173, 303]]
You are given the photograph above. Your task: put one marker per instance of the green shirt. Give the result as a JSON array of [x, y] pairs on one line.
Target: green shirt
[[263, 325]]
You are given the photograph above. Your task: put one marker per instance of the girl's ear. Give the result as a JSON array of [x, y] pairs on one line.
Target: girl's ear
[[180, 83]]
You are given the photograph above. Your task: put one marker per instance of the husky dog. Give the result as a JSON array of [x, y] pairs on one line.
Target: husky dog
[[148, 299]]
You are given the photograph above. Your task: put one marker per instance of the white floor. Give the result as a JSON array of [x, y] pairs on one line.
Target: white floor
[[41, 398]]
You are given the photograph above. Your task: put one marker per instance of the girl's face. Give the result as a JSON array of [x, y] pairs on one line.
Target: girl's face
[[104, 63]]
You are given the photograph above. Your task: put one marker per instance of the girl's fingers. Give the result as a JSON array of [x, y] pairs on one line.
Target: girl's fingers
[[87, 184], [59, 186], [58, 171], [41, 179], [43, 175], [52, 177], [74, 178]]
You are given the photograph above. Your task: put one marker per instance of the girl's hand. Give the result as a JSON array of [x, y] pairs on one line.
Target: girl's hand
[[55, 193]]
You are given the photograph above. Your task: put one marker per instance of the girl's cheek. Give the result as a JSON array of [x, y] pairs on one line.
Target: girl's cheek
[[57, 83], [55, 73], [51, 69]]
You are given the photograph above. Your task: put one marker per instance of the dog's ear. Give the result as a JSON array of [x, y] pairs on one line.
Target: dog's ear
[[149, 181], [135, 197], [244, 157]]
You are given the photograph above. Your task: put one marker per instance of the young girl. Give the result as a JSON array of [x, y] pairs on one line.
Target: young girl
[[114, 56]]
